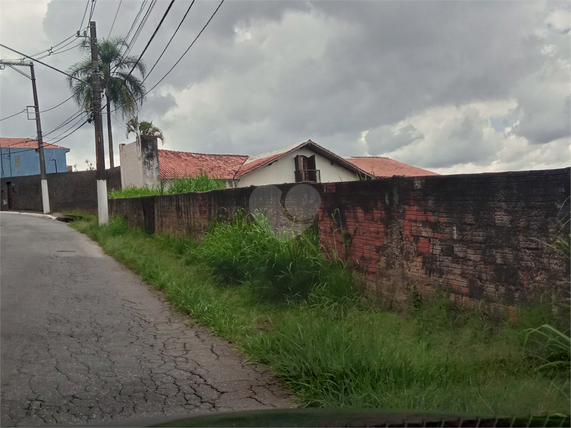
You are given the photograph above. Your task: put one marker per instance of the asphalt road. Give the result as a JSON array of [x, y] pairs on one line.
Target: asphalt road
[[84, 340]]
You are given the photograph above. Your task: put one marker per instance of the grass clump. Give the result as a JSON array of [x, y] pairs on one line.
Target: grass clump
[[285, 306], [277, 266], [199, 183]]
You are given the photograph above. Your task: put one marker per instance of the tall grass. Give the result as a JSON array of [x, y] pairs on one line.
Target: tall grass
[[555, 340], [199, 183], [284, 306], [278, 267]]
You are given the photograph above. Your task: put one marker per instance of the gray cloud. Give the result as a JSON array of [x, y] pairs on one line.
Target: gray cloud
[[266, 74]]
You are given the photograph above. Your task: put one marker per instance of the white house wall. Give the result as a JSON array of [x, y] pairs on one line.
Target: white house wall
[[282, 170], [131, 165]]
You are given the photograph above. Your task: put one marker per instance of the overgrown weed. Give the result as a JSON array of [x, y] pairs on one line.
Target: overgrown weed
[[304, 319], [199, 183]]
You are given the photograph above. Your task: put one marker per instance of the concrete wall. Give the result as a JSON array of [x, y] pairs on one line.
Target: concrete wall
[[140, 163], [480, 236], [150, 159], [131, 165], [67, 191], [283, 171]]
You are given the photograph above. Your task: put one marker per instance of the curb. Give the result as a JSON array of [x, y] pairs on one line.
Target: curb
[[48, 216]]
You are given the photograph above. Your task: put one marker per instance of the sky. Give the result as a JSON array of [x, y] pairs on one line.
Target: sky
[[449, 86]]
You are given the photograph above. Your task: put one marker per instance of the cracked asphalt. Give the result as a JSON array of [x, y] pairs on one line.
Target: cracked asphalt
[[84, 340]]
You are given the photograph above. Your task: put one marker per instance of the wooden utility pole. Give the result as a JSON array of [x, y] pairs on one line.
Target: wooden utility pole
[[102, 206], [43, 178]]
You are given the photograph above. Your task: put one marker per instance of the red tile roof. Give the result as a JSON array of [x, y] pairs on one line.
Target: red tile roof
[[179, 164], [26, 143], [385, 167], [255, 162]]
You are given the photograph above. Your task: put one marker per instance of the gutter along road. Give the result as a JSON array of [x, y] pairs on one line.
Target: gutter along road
[[84, 340]]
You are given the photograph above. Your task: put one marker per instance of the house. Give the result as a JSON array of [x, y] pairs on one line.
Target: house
[[302, 162], [20, 156]]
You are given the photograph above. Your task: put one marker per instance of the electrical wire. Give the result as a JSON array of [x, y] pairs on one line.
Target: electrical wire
[[59, 51], [72, 132], [144, 20], [84, 13], [93, 3], [136, 19], [56, 106], [70, 119], [168, 44], [146, 47], [15, 114], [187, 49], [43, 63], [55, 46], [152, 36], [114, 19]]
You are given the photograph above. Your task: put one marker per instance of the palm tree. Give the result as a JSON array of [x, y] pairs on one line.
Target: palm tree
[[143, 128], [121, 88]]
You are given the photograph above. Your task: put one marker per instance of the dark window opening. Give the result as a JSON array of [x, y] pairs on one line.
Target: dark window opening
[[305, 169]]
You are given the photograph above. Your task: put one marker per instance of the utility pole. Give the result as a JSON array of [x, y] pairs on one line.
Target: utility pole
[[43, 179], [102, 207]]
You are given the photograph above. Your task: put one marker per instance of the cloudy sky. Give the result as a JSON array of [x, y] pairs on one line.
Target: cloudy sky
[[450, 86]]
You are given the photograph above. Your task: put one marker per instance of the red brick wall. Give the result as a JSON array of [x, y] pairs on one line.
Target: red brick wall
[[480, 236]]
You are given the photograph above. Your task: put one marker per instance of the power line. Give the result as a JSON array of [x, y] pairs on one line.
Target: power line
[[51, 108], [72, 132], [60, 51], [145, 49], [93, 3], [73, 117], [185, 52], [116, 13], [140, 27], [168, 44], [84, 13], [136, 19], [55, 46], [153, 36], [40, 62], [15, 114]]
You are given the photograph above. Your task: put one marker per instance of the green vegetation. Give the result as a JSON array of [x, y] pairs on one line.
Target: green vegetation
[[556, 343], [201, 183], [285, 306], [121, 86]]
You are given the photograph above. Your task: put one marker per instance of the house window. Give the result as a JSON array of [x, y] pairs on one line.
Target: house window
[[305, 169], [18, 161]]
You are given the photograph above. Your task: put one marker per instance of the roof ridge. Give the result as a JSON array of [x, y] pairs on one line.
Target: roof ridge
[[368, 157], [199, 153]]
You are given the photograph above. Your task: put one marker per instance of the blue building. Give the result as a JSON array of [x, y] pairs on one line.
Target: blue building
[[20, 156]]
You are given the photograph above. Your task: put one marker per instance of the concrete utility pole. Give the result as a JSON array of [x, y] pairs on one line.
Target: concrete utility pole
[[43, 179], [102, 207]]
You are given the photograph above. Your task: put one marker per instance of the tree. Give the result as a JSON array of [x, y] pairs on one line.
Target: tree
[[143, 128], [122, 89]]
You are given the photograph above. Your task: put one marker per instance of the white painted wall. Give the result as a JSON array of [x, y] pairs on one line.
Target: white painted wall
[[131, 165], [283, 171]]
